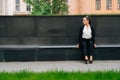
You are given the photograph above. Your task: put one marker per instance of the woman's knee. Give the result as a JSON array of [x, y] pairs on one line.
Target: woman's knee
[[91, 43], [84, 44]]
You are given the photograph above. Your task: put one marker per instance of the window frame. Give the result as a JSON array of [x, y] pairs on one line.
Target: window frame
[[98, 4], [17, 6], [109, 4], [118, 2], [28, 8]]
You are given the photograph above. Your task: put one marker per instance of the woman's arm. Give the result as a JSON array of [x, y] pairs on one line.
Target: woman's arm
[[79, 37], [93, 37]]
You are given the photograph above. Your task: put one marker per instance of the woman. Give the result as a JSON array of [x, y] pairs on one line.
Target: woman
[[87, 39]]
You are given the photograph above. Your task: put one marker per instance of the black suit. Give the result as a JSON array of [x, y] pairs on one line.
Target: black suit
[[86, 44]]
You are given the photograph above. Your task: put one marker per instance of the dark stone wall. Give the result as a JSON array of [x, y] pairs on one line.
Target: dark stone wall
[[59, 30], [56, 30], [55, 54]]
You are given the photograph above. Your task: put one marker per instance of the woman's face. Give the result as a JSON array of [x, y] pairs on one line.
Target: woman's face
[[85, 21]]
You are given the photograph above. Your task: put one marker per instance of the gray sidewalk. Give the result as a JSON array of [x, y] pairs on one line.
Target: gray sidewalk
[[60, 65]]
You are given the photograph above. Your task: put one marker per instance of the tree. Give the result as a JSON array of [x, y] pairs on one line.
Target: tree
[[59, 7], [48, 7]]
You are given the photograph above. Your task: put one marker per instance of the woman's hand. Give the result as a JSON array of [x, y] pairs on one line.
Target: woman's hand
[[94, 45], [78, 46]]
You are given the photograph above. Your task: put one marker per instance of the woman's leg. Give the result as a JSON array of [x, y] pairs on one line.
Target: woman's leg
[[91, 50], [85, 50], [91, 58]]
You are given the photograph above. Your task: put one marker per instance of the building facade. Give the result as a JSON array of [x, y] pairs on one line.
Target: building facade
[[6, 7], [14, 7], [77, 7]]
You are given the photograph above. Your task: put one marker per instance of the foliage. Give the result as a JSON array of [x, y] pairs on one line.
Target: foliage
[[48, 7]]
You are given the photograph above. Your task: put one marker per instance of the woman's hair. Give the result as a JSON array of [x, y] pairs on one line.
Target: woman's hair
[[88, 18]]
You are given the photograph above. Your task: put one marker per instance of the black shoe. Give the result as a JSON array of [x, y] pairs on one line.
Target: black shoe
[[86, 61], [91, 62]]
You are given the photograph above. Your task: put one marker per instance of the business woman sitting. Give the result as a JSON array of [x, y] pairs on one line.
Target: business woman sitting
[[86, 40]]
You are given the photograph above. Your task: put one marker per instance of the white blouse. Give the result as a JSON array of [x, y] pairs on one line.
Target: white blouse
[[87, 32]]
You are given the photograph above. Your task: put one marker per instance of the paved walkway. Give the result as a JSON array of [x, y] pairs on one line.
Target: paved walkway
[[60, 65]]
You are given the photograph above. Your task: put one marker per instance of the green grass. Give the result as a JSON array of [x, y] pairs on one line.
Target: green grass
[[60, 75]]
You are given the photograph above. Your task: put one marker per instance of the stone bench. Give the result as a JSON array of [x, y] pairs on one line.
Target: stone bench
[[55, 52]]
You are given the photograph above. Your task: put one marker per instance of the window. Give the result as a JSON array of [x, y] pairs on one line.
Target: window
[[108, 4], [98, 4], [119, 4], [17, 6], [28, 7]]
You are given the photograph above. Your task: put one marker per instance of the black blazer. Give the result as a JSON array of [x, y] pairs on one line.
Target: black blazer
[[81, 32]]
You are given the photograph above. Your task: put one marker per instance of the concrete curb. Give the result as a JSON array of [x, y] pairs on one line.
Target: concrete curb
[[60, 65]]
